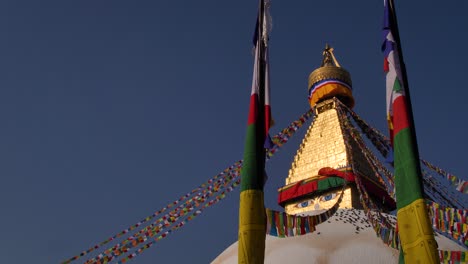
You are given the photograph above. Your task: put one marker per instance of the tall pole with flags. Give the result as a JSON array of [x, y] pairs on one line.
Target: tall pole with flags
[[252, 218], [416, 235]]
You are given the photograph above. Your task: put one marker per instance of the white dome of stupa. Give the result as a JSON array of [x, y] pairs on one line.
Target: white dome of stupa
[[347, 237]]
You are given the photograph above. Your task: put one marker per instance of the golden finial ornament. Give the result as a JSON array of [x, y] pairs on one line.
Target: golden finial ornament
[[330, 80]]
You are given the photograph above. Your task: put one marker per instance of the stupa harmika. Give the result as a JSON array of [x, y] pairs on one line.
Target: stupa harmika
[[347, 237]]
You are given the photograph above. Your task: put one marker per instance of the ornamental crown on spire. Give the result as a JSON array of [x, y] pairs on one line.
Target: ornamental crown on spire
[[330, 80]]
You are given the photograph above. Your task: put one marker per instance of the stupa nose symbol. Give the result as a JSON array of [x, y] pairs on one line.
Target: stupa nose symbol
[[317, 206]]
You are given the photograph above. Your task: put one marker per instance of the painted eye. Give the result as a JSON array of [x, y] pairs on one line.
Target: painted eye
[[328, 197], [303, 204]]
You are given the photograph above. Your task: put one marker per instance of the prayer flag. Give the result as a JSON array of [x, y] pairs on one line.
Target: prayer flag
[[252, 218], [416, 234]]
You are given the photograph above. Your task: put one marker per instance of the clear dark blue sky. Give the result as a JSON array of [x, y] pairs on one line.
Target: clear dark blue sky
[[109, 110]]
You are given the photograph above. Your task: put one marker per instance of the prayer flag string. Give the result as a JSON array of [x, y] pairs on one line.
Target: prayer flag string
[[381, 173], [167, 220], [282, 137], [205, 185], [382, 143], [450, 221], [382, 225], [445, 196], [453, 257], [180, 224], [459, 184], [125, 246], [190, 205], [224, 177]]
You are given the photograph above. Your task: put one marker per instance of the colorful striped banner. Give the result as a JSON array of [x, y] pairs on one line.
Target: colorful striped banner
[[453, 257], [451, 221]]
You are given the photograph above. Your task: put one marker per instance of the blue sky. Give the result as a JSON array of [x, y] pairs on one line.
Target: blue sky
[[110, 110]]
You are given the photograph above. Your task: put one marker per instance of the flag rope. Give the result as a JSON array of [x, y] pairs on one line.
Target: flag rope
[[278, 141], [431, 189], [445, 195], [154, 232], [381, 224], [168, 220], [383, 145], [382, 174], [452, 222], [459, 184], [180, 201]]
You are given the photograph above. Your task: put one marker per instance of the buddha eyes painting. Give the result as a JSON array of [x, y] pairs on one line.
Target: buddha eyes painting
[[328, 197], [324, 201], [304, 204]]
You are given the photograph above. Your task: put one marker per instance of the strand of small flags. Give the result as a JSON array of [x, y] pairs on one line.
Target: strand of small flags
[[382, 225], [382, 174], [454, 220], [451, 221], [382, 143], [281, 224], [196, 196], [166, 222], [285, 134], [448, 220], [181, 200], [459, 184], [107, 256], [453, 257], [180, 224], [439, 192], [281, 138], [190, 198], [196, 201], [385, 176]]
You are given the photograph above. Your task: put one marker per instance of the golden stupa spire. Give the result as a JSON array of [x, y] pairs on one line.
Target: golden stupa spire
[[325, 146]]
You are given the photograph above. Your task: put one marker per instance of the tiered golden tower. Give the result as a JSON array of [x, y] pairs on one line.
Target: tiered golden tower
[[324, 146]]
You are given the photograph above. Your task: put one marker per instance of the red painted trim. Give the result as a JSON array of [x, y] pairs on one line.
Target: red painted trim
[[305, 187], [327, 171], [299, 189]]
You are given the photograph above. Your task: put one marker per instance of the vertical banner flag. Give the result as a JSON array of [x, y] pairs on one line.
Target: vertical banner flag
[[268, 118], [416, 234], [252, 217]]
